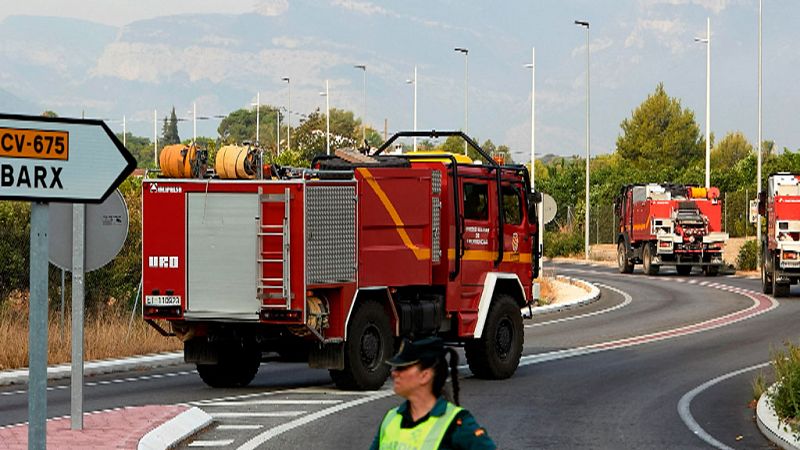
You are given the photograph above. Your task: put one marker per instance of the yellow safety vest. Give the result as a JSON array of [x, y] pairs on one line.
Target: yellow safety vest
[[427, 435]]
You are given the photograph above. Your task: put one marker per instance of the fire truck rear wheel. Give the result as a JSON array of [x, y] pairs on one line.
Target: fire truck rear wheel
[[683, 270], [647, 261], [625, 266], [369, 344], [779, 289], [711, 271], [766, 277], [236, 368], [496, 354]]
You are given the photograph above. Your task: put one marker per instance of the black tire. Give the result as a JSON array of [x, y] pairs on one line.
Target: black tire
[[684, 270], [647, 260], [236, 368], [623, 263], [766, 276], [369, 344], [711, 271], [496, 354]]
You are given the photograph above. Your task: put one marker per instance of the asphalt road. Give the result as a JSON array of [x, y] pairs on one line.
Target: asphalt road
[[608, 375]]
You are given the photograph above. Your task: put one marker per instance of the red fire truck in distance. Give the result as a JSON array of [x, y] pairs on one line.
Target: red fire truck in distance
[[780, 206], [338, 262], [668, 224]]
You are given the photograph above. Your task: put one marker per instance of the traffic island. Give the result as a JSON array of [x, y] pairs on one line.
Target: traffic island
[[771, 426]]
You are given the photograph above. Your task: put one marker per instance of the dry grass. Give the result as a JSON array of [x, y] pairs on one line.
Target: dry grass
[[547, 292], [106, 335]]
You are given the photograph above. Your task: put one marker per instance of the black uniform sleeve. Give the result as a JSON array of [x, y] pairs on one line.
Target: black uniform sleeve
[[465, 434]]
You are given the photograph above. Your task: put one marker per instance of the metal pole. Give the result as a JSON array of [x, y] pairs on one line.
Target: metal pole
[[758, 144], [63, 284], [258, 114], [588, 153], [465, 51], [278, 131], [327, 119], [37, 328], [746, 210], [415, 106], [78, 242], [194, 123], [155, 137], [708, 105]]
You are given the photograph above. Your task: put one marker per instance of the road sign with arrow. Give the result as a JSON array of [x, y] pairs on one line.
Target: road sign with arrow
[[45, 159]]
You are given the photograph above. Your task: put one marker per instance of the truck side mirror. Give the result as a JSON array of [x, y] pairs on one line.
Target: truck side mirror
[[762, 203]]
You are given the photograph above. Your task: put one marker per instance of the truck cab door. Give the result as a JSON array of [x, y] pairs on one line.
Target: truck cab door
[[520, 241], [478, 240]]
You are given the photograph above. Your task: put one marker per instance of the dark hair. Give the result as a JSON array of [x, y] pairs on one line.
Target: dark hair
[[440, 372]]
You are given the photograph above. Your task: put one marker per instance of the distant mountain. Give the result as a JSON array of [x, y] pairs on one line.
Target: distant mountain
[[11, 104]]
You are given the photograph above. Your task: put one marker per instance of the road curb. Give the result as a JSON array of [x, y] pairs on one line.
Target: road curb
[[592, 294], [98, 367], [176, 430], [770, 425]]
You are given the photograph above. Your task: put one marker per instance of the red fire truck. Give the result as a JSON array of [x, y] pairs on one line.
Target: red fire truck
[[668, 224], [336, 263], [780, 206]]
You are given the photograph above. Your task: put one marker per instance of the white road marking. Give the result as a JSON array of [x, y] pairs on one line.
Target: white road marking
[[275, 402], [236, 415], [684, 405], [581, 316], [271, 433], [107, 382], [220, 443], [239, 427]]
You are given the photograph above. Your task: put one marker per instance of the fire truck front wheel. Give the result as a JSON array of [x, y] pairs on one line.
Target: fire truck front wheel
[[625, 266], [369, 343], [495, 355], [647, 260]]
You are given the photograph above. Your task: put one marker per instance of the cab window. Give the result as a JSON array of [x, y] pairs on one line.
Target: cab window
[[512, 205], [476, 201]]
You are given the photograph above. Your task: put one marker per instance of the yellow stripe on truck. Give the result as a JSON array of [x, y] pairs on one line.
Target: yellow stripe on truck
[[419, 253], [490, 256]]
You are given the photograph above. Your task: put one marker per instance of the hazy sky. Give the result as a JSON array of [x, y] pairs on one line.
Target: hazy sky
[[635, 44]]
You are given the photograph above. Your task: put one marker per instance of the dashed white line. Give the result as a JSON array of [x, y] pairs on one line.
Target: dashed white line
[[107, 382], [236, 415], [219, 443], [685, 403], [239, 427], [275, 402]]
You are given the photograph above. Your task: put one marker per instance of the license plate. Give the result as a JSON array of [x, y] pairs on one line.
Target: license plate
[[162, 300]]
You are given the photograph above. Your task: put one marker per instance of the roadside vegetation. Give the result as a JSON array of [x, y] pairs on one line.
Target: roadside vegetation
[[784, 396], [106, 335]]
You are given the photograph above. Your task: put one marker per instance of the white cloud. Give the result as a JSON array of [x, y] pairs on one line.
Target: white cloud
[[671, 34], [597, 45], [362, 7], [715, 6], [272, 8]]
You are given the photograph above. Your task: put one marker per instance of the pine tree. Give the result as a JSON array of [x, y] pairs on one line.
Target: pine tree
[[170, 131]]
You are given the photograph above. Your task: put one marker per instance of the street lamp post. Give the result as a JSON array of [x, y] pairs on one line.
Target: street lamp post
[[707, 41], [758, 145], [465, 51], [532, 66], [364, 119], [414, 82], [288, 115], [327, 95], [585, 24]]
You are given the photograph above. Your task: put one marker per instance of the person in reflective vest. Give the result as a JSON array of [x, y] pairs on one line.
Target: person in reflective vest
[[427, 420]]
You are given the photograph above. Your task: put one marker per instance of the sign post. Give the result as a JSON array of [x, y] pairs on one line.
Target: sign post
[[44, 159]]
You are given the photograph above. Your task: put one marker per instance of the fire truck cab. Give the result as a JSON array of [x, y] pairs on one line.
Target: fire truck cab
[[334, 264], [780, 207]]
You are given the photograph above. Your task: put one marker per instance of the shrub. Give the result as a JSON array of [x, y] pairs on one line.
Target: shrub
[[748, 255], [786, 395], [563, 243]]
